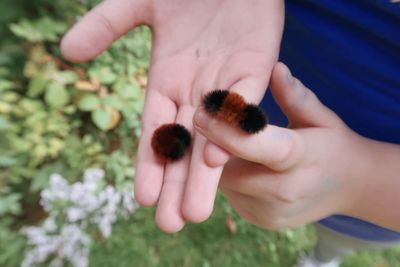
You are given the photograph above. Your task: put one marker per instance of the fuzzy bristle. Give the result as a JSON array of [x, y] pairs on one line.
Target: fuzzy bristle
[[170, 141], [254, 119], [182, 135], [232, 109], [212, 102]]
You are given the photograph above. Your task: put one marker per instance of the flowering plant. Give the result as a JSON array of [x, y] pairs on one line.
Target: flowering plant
[[74, 211]]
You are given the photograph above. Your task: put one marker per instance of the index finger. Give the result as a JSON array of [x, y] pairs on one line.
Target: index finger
[[275, 147]]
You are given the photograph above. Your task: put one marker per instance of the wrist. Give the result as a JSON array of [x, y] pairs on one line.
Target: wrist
[[352, 162], [374, 179], [358, 166]]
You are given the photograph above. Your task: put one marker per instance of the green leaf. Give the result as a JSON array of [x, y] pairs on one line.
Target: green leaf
[[10, 204], [5, 107], [50, 28], [7, 161], [4, 123], [88, 103], [127, 89], [104, 74], [5, 85], [113, 101], [43, 29], [138, 106], [101, 118], [40, 180], [56, 95], [37, 85], [11, 242], [26, 29], [68, 76], [10, 96]]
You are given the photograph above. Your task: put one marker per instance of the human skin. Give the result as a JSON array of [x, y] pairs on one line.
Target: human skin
[[198, 46], [287, 177]]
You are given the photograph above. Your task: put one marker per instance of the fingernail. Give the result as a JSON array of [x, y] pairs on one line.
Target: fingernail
[[201, 119], [289, 76]]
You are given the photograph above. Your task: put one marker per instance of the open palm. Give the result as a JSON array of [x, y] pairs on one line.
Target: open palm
[[198, 46]]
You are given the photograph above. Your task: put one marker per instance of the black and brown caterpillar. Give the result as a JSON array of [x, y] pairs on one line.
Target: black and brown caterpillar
[[170, 141], [231, 108]]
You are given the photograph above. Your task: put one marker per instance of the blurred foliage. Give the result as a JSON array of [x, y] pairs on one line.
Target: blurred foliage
[[12, 244], [64, 118], [60, 117], [55, 116]]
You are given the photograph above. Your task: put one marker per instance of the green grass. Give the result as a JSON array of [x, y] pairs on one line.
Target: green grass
[[139, 243]]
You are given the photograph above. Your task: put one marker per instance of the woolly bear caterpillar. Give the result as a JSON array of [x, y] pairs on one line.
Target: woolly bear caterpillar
[[231, 108], [170, 141]]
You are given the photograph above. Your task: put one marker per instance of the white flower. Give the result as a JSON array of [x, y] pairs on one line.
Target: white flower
[[49, 225], [105, 226], [82, 204], [77, 192], [92, 176], [35, 235], [74, 214], [128, 203], [70, 244], [57, 262], [58, 190]]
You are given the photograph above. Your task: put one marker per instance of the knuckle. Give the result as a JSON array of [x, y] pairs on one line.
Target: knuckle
[[106, 23], [287, 193], [250, 217], [285, 156], [296, 96], [302, 95], [274, 223], [231, 146]]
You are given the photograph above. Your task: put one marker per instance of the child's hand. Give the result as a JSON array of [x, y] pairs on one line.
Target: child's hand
[[197, 46], [288, 177]]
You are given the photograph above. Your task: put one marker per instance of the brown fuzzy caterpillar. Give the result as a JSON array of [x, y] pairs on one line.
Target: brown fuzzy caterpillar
[[170, 141], [231, 108]]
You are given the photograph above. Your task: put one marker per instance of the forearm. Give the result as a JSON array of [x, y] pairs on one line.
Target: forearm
[[377, 197]]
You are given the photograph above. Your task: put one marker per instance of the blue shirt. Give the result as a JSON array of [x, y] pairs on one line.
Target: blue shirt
[[348, 53]]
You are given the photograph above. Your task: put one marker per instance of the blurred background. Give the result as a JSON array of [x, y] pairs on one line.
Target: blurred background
[[68, 138]]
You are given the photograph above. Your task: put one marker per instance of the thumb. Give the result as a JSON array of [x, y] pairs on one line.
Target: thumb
[[98, 29], [299, 103]]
